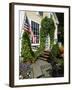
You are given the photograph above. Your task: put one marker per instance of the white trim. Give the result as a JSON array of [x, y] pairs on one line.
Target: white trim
[[35, 44], [17, 81]]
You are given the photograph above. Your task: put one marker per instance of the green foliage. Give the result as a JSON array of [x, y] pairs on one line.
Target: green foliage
[[26, 51], [44, 25], [51, 31], [47, 24], [55, 50], [54, 56], [47, 27], [61, 62], [56, 62]]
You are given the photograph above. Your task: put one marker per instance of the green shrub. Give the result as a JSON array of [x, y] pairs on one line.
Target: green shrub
[[26, 51], [55, 50], [48, 26]]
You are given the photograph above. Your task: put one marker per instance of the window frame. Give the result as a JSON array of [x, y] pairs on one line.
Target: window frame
[[35, 44]]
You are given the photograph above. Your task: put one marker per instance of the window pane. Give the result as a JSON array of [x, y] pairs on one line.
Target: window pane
[[35, 29], [40, 13]]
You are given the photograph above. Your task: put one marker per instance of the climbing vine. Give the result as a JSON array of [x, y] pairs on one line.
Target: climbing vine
[[47, 27], [42, 43], [51, 31]]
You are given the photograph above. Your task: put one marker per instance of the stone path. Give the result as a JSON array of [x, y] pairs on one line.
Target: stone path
[[41, 68], [36, 70]]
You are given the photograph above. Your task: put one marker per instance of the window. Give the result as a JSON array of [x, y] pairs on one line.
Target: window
[[40, 13], [35, 29]]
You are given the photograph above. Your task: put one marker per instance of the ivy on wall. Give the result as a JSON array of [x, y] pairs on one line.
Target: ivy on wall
[[47, 27]]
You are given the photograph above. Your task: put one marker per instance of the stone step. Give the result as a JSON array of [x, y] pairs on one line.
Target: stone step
[[41, 69], [45, 53], [42, 58], [36, 70], [45, 56]]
